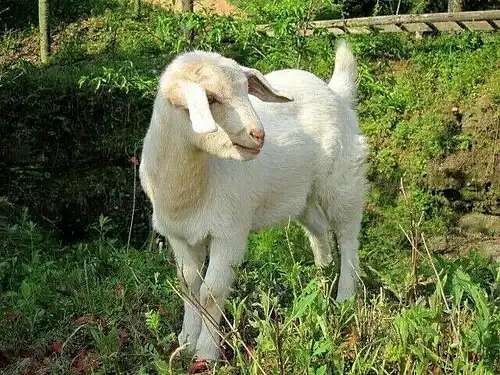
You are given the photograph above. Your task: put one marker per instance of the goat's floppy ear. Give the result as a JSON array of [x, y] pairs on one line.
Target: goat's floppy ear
[[259, 86], [190, 95]]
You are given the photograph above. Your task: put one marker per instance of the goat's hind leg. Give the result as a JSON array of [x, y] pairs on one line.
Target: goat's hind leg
[[343, 205], [346, 223], [190, 261], [347, 234], [316, 227]]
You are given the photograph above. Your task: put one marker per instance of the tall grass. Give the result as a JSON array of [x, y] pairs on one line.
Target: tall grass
[[103, 307], [119, 308]]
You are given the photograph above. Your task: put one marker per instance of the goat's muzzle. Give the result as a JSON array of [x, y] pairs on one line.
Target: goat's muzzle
[[258, 136]]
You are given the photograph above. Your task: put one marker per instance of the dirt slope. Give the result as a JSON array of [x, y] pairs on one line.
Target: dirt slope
[[223, 7]]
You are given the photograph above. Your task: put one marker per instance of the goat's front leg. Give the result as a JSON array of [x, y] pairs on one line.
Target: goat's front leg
[[190, 260], [226, 254]]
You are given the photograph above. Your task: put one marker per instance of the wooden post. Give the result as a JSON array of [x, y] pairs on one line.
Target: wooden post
[[188, 6], [454, 5], [43, 24]]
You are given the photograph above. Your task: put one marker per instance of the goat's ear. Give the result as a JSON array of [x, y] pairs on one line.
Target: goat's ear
[[259, 86], [193, 97]]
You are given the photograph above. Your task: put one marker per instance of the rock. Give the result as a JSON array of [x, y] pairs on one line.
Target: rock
[[469, 176], [438, 244], [488, 225], [491, 249]]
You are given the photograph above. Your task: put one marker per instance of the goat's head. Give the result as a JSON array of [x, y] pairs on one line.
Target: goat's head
[[212, 92]]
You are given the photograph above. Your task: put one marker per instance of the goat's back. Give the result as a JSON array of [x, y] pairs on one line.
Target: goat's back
[[307, 140]]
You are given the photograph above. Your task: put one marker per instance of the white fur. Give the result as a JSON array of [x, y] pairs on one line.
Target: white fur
[[311, 168]]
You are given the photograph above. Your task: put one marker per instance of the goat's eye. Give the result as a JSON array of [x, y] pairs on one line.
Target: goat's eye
[[211, 99]]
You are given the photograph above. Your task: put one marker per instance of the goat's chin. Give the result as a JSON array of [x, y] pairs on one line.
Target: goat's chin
[[221, 146], [244, 154], [234, 152], [238, 153]]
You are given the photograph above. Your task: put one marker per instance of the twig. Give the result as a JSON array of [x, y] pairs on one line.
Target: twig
[[87, 282], [171, 359], [70, 336], [413, 239], [440, 285], [134, 163], [278, 341], [289, 245]]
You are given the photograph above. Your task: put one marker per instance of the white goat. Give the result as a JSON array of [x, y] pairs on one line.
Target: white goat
[[205, 199]]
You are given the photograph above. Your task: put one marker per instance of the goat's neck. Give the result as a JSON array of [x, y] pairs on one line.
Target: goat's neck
[[179, 170]]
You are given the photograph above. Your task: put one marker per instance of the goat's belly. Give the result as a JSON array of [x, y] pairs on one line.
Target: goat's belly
[[273, 213]]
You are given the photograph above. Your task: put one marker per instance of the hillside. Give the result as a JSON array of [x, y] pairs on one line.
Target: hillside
[[85, 286], [222, 7]]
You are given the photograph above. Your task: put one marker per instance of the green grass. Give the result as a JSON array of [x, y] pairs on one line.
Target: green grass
[[117, 307], [99, 304]]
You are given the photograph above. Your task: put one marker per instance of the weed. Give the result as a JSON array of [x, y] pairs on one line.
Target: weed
[[104, 306]]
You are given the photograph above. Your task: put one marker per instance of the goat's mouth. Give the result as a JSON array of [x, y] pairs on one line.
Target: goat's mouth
[[250, 150]]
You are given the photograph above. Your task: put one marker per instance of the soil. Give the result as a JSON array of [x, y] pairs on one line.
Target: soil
[[29, 49], [474, 232], [470, 177], [222, 7]]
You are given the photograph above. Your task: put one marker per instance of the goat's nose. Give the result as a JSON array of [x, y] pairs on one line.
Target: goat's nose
[[258, 136]]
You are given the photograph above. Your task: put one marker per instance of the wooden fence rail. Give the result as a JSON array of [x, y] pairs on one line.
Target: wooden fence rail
[[487, 20]]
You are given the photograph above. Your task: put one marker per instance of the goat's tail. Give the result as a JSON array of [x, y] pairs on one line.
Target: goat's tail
[[345, 74]]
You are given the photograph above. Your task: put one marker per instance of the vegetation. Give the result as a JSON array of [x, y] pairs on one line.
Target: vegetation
[[84, 288]]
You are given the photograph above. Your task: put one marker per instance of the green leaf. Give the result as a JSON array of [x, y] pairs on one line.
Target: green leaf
[[321, 370], [462, 281], [162, 367]]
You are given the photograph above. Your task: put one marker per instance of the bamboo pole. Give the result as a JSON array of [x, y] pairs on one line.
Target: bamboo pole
[[43, 24]]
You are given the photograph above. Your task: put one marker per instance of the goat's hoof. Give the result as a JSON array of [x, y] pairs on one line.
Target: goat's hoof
[[199, 366]]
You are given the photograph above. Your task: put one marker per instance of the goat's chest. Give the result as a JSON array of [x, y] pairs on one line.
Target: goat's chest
[[210, 219], [191, 228]]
